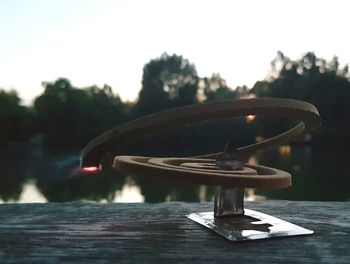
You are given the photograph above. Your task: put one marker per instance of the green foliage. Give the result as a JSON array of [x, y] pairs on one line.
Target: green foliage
[[69, 117], [167, 82], [317, 81], [216, 89], [17, 121]]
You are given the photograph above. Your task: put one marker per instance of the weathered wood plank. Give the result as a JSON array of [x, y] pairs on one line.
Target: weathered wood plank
[[160, 233]]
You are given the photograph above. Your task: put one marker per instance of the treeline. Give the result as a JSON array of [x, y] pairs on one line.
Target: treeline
[[15, 120], [68, 117], [322, 83]]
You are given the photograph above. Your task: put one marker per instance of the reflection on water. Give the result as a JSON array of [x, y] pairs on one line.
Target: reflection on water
[[250, 195], [29, 174], [129, 194], [317, 174], [30, 194], [285, 150]]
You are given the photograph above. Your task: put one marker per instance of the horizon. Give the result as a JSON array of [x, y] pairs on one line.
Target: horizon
[[108, 42]]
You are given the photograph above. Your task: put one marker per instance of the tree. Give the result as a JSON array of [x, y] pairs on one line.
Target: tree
[[215, 88], [168, 81], [17, 121], [69, 117]]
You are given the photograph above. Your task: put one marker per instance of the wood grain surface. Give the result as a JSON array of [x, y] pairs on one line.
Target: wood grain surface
[[160, 233]]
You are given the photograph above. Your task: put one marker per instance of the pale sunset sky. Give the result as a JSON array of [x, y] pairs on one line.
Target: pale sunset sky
[[109, 41]]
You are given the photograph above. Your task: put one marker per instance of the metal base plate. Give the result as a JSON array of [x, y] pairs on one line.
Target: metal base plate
[[251, 226]]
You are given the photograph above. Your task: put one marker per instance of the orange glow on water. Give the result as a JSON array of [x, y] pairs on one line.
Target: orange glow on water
[[285, 150], [253, 160], [259, 138], [89, 169], [250, 118]]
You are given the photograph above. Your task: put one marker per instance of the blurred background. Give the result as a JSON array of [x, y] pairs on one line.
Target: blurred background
[[70, 70]]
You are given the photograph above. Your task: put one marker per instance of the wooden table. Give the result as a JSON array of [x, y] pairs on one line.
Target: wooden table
[[160, 233]]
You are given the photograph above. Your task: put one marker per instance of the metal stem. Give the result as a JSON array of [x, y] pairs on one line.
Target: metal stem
[[229, 202]]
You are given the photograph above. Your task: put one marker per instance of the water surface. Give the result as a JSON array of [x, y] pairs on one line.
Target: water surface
[[30, 174]]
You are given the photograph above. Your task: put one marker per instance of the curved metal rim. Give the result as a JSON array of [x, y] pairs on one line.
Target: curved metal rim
[[306, 113]]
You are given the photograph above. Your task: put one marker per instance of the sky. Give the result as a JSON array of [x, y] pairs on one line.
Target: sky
[[96, 42]]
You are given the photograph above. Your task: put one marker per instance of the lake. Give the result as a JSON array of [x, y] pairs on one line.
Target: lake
[[31, 174]]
